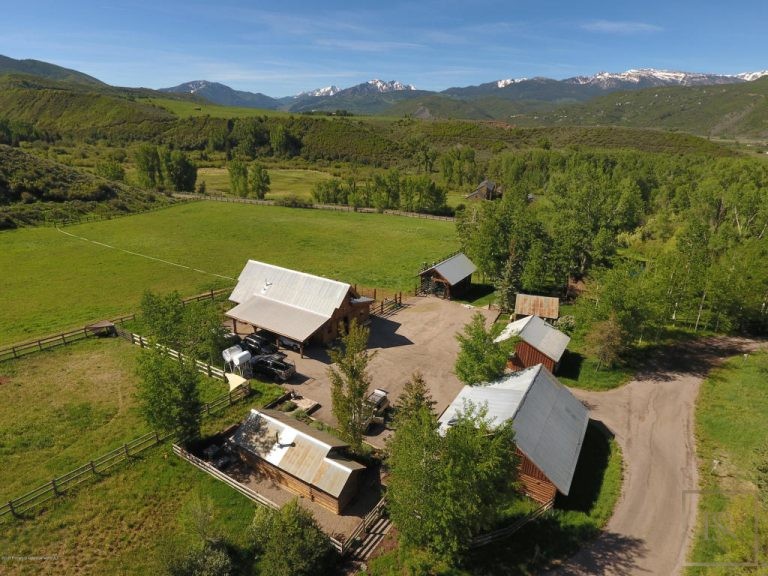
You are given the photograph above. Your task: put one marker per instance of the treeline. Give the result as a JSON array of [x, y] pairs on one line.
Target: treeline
[[158, 168], [662, 238], [33, 190], [384, 191]]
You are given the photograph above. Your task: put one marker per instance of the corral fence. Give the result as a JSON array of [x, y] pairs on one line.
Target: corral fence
[[202, 367], [507, 531], [62, 484], [385, 303], [342, 546], [86, 218], [311, 205], [76, 334]]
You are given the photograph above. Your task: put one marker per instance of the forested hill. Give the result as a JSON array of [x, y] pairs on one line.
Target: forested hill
[[729, 111], [45, 70], [33, 189]]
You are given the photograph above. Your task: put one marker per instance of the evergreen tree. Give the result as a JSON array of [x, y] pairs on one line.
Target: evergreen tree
[[480, 359]]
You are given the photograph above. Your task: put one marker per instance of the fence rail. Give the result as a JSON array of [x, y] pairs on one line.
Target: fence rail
[[501, 533], [311, 205], [101, 464], [219, 475], [76, 334]]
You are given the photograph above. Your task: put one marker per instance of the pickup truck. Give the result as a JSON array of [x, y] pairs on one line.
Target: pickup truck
[[275, 366]]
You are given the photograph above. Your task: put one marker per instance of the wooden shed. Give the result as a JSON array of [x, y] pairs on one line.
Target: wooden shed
[[296, 305], [549, 423], [539, 343], [449, 278], [301, 459], [532, 305], [486, 190]]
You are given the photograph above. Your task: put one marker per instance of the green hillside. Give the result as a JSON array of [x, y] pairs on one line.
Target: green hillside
[[45, 70], [727, 111], [33, 189]]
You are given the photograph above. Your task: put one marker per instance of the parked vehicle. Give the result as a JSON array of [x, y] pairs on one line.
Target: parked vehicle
[[274, 366], [379, 400], [259, 344], [290, 344]]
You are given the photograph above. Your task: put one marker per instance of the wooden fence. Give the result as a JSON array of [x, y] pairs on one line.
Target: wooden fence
[[342, 546], [219, 475], [202, 367], [76, 334], [62, 484], [507, 531], [309, 204]]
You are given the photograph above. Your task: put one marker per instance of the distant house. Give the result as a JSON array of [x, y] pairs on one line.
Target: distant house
[[549, 423], [296, 305], [486, 190], [300, 458], [539, 343], [450, 278], [542, 306]]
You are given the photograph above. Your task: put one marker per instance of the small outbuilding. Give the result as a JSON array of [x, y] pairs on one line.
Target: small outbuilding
[[541, 306], [301, 459], [449, 278], [486, 190], [539, 343], [549, 423], [299, 306]]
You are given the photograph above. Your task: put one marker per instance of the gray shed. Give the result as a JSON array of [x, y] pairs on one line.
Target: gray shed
[[449, 278]]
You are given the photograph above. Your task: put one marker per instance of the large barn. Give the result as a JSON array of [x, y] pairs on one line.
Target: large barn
[[539, 343], [300, 458], [549, 423], [450, 278], [296, 305]]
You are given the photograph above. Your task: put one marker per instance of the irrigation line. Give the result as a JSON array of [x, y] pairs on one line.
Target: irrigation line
[[143, 255]]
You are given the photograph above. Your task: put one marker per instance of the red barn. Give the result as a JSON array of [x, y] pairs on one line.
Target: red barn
[[539, 343]]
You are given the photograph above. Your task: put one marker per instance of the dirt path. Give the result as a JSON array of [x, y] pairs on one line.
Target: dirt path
[[653, 420]]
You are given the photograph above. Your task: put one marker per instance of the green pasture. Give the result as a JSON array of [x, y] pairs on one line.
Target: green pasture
[[732, 437], [186, 109], [284, 182], [62, 408], [55, 281]]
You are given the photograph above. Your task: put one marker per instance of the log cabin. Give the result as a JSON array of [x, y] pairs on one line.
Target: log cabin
[[448, 279]]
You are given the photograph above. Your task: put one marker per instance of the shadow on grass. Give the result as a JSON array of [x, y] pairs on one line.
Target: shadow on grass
[[478, 295], [561, 533], [570, 365], [590, 470]]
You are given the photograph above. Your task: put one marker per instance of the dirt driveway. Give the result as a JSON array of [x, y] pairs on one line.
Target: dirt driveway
[[653, 420], [420, 336]]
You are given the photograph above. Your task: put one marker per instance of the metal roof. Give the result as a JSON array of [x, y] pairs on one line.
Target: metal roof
[[297, 449], [454, 269], [287, 302], [549, 421], [283, 319], [530, 305], [533, 330]]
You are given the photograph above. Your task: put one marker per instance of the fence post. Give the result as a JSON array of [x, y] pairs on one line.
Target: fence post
[[63, 338], [55, 489], [40, 345], [209, 370], [125, 447], [93, 467], [374, 293], [10, 505], [157, 437], [14, 351]]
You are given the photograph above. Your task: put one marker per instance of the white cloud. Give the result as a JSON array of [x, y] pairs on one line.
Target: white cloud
[[621, 27]]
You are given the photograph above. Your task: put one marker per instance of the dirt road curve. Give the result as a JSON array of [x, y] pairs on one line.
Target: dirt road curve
[[653, 420]]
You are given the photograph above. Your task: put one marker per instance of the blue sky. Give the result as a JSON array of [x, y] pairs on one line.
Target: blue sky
[[281, 48]]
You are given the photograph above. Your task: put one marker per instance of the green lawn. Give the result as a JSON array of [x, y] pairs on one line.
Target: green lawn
[[55, 282], [731, 430], [61, 408]]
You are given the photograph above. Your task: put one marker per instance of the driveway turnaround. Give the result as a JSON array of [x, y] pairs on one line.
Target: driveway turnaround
[[653, 418]]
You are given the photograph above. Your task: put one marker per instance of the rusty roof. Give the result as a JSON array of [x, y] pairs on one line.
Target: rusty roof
[[543, 306], [298, 449]]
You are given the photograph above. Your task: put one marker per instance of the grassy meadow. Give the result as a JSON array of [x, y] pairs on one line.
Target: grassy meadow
[[284, 182], [187, 109], [112, 525], [732, 436], [58, 281]]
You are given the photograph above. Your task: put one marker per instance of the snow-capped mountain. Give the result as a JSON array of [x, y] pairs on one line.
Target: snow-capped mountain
[[650, 77], [224, 95], [509, 81], [376, 86], [749, 76], [320, 92]]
